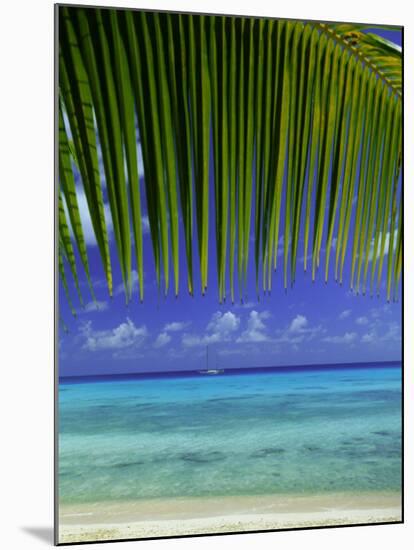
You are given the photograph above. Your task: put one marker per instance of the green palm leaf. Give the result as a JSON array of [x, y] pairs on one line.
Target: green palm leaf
[[178, 83], [305, 124], [75, 90], [67, 182], [66, 244]]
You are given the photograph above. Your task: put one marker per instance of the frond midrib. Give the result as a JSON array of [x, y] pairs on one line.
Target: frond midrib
[[338, 38]]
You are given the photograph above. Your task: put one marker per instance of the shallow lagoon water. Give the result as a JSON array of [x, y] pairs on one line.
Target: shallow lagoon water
[[298, 431]]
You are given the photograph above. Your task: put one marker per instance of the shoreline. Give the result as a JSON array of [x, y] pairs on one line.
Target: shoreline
[[210, 515]]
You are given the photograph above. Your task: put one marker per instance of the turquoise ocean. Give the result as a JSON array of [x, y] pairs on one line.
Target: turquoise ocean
[[299, 430]]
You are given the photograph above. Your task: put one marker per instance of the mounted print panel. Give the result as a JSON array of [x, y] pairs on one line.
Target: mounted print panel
[[229, 256]]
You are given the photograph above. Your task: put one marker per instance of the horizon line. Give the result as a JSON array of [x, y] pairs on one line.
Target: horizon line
[[185, 371]]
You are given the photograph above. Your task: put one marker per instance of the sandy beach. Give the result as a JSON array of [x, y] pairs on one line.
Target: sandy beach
[[175, 517]]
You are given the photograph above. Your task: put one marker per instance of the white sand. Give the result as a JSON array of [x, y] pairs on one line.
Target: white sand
[[177, 517]]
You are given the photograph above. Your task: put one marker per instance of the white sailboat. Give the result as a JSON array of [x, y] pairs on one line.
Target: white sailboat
[[210, 371]]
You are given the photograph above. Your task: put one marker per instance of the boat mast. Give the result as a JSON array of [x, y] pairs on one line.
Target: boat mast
[[207, 356]]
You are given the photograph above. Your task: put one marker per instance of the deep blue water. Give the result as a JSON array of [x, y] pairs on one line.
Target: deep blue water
[[256, 431]]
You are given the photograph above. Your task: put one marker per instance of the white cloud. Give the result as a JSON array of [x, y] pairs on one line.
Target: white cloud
[[298, 324], [289, 338], [223, 323], [95, 306], [125, 335], [344, 314], [347, 338], [191, 340], [85, 217], [175, 326], [219, 329], [369, 337], [134, 284], [362, 321], [256, 329], [386, 246], [393, 333], [298, 331], [87, 226], [162, 340], [382, 333], [145, 225], [390, 333], [378, 312], [280, 246], [140, 160]]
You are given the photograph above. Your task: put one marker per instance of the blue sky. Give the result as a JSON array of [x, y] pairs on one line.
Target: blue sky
[[310, 323]]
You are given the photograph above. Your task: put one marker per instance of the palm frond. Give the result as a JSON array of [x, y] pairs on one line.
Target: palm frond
[[67, 182], [304, 120], [75, 90]]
